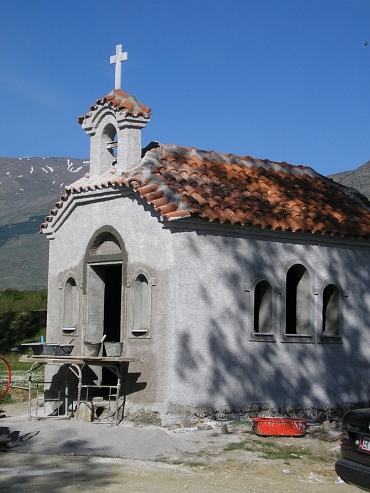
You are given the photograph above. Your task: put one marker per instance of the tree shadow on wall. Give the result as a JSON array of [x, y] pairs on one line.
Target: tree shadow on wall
[[241, 371]]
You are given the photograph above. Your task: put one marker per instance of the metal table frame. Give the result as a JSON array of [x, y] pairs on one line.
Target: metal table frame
[[76, 364]]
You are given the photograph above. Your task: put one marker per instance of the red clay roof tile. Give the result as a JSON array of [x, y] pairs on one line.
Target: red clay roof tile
[[121, 101], [225, 188], [181, 182]]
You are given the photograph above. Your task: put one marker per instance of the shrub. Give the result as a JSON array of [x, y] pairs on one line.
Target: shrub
[[16, 328], [13, 300], [22, 316]]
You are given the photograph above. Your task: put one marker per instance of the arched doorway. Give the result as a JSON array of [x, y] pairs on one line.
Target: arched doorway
[[105, 269]]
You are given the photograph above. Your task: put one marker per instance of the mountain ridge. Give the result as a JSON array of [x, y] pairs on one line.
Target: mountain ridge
[[358, 178]]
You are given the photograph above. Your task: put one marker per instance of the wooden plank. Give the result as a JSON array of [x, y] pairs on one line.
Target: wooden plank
[[45, 358]]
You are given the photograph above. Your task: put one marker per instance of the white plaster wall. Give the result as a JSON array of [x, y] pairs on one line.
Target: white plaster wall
[[217, 365], [147, 246], [199, 353]]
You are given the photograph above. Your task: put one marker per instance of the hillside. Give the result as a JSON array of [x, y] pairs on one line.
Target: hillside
[[358, 178], [30, 186], [28, 189]]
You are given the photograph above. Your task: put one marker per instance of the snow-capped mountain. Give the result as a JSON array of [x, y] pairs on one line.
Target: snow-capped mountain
[[29, 187]]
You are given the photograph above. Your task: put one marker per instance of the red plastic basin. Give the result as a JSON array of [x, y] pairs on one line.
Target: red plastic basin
[[283, 427]]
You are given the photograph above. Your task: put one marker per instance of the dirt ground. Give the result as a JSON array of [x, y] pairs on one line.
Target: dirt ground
[[66, 456]]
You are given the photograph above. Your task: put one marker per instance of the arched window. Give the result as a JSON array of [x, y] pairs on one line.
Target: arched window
[[330, 311], [262, 300], [112, 148], [70, 308], [141, 307], [298, 301], [108, 150], [263, 308]]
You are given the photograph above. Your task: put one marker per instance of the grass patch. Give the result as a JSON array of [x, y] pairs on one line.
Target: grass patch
[[19, 370], [7, 399], [20, 375], [15, 364], [235, 446], [269, 450], [176, 462], [193, 464]]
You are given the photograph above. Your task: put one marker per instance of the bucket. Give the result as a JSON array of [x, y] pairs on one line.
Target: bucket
[[65, 349], [92, 348], [113, 349], [50, 349]]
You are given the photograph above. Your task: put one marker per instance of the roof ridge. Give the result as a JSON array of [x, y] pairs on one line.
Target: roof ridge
[[240, 160]]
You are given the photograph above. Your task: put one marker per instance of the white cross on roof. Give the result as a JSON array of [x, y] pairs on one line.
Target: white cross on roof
[[117, 59]]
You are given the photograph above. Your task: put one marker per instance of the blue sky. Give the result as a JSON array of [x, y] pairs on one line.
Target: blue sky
[[287, 80]]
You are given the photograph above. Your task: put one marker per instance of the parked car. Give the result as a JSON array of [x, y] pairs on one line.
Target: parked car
[[354, 466]]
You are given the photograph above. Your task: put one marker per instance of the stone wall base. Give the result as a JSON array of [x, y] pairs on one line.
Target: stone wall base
[[187, 416], [139, 413]]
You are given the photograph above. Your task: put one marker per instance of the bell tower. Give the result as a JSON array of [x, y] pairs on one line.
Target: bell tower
[[114, 124]]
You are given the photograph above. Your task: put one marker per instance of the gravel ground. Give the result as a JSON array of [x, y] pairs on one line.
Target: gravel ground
[[69, 456]]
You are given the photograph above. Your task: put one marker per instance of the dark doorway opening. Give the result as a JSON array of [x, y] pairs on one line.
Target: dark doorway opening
[[112, 302], [112, 313], [105, 294]]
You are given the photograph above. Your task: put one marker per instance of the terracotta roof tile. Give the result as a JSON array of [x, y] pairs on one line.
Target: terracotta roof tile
[[160, 202], [224, 188], [168, 208], [181, 182], [120, 101]]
